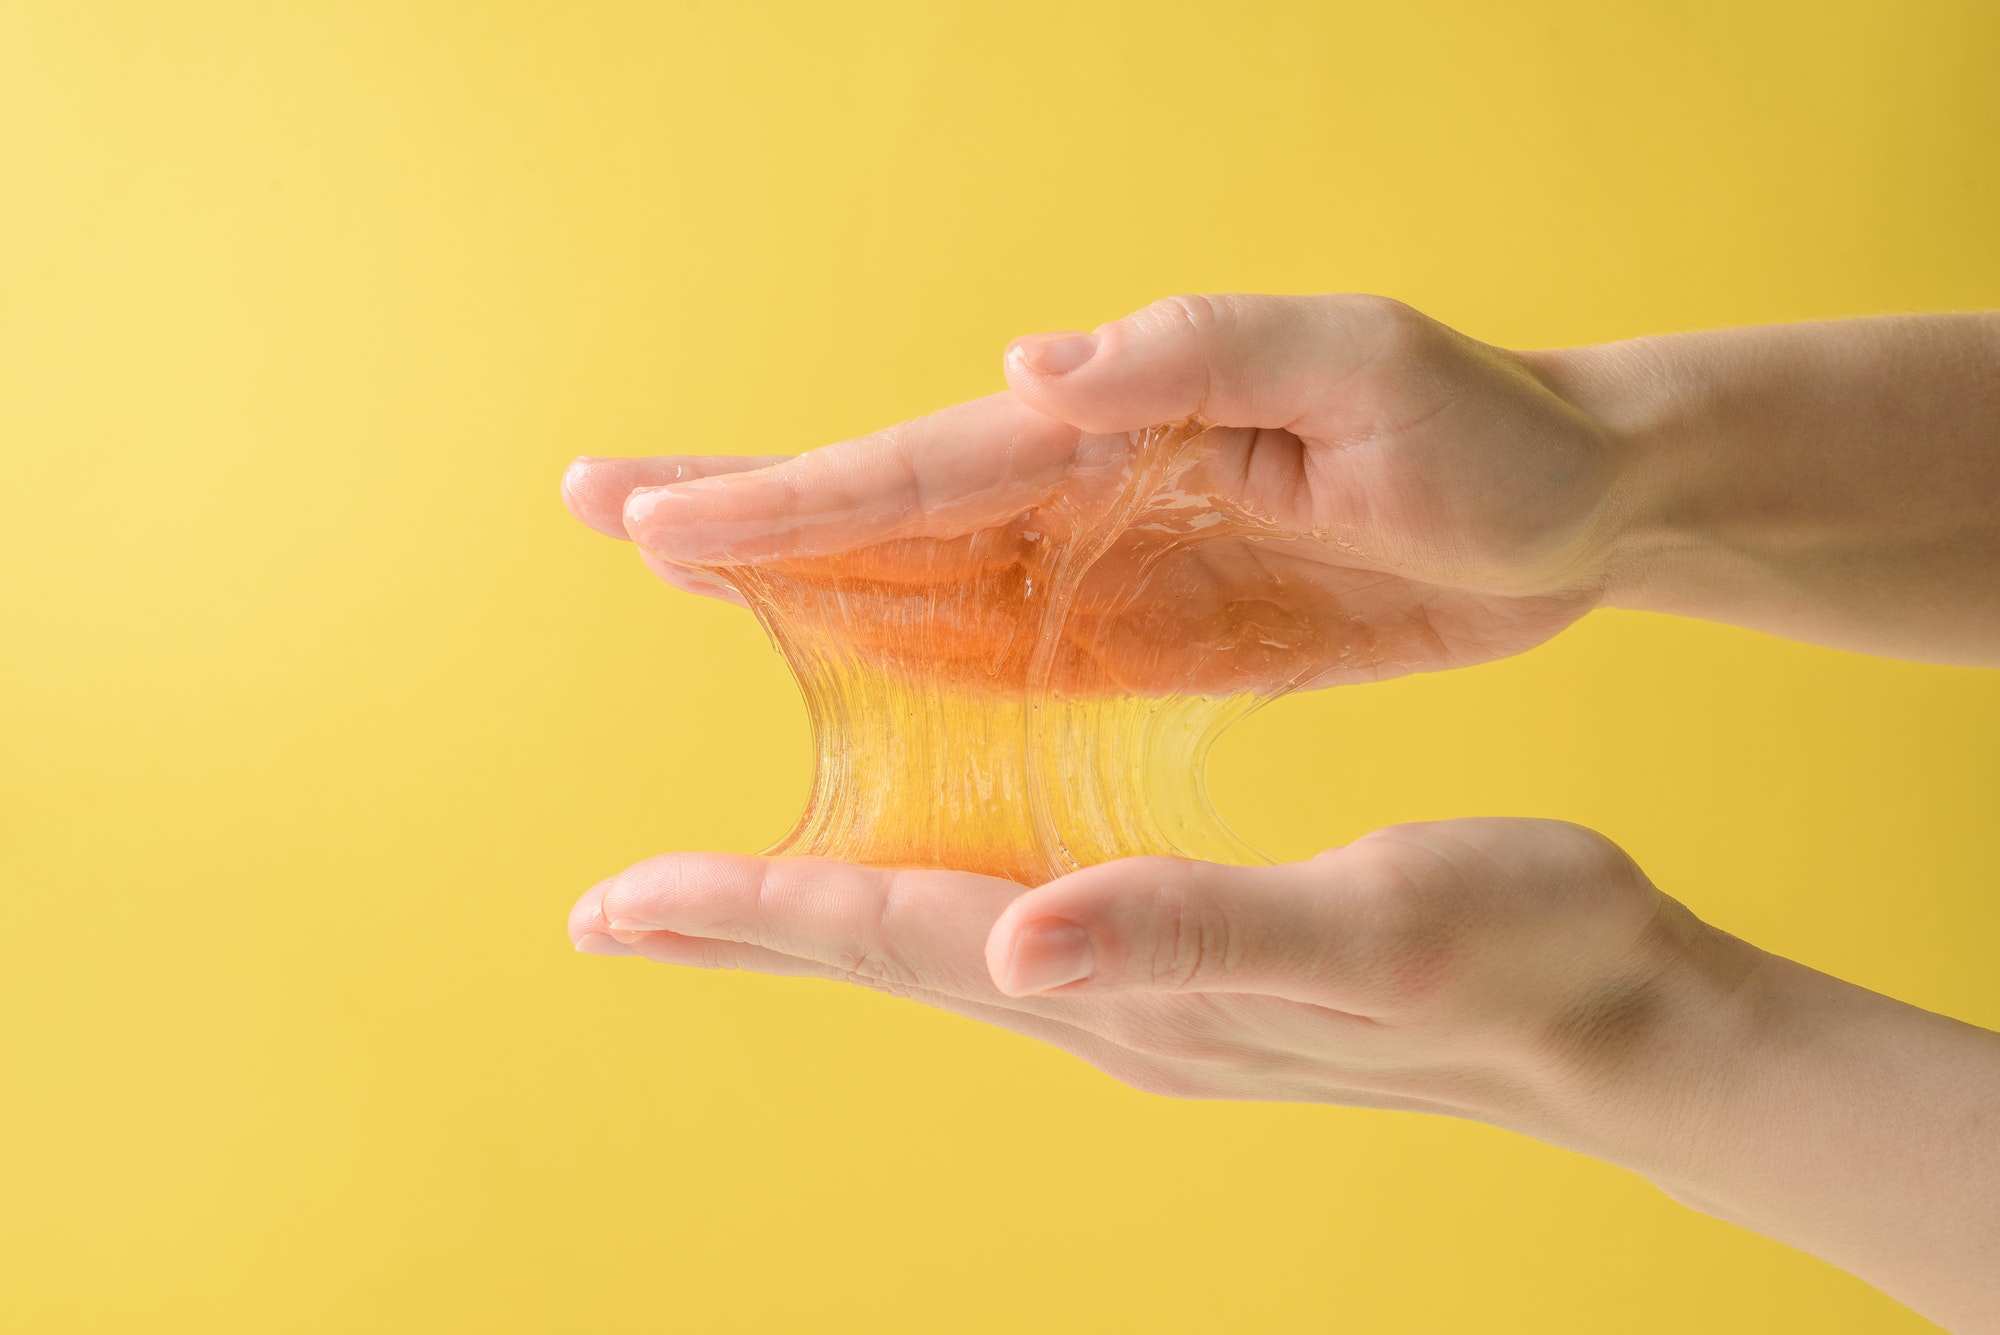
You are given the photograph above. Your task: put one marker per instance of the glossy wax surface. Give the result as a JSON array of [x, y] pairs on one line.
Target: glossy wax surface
[[990, 701]]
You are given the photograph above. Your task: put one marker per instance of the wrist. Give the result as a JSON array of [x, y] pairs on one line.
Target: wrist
[[1709, 1027], [1813, 1111], [1645, 1066], [1649, 422]]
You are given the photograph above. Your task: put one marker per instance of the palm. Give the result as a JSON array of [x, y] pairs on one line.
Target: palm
[[1260, 613], [1277, 561]]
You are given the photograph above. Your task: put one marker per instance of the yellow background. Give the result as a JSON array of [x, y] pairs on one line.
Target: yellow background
[[319, 711]]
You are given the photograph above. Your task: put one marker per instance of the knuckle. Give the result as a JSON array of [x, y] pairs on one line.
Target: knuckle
[[1192, 330], [864, 962], [1409, 916], [900, 444], [1400, 339], [888, 987], [1190, 940], [865, 952], [1592, 854], [1384, 317], [1190, 313], [1590, 880], [857, 962]]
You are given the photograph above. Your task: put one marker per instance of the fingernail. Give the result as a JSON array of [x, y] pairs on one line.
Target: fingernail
[[1055, 354], [641, 507], [634, 925], [659, 519], [596, 943], [1048, 954]]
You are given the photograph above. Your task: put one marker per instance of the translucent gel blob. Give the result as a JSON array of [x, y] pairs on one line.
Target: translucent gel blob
[[1039, 694]]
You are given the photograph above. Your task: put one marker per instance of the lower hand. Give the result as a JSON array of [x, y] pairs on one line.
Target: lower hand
[[1518, 972], [1474, 967]]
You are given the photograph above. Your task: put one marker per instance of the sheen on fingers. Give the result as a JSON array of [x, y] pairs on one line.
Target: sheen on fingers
[[967, 467], [595, 489]]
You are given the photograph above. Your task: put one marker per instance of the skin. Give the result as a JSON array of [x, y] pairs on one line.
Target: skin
[[1440, 502]]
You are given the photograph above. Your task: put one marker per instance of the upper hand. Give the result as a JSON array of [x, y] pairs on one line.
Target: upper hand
[[1400, 497]]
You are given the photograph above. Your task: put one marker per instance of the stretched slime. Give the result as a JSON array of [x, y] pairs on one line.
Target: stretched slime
[[1040, 692]]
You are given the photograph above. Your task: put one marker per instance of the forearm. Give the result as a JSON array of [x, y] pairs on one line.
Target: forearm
[[1829, 1117], [1837, 483]]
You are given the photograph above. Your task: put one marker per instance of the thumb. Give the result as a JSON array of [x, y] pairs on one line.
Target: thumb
[[1165, 925], [1248, 361]]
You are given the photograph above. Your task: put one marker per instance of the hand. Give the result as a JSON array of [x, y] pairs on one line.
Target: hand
[[1523, 973], [1466, 967], [1395, 497]]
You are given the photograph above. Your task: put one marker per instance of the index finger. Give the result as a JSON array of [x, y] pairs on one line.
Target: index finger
[[968, 467], [922, 929], [595, 489]]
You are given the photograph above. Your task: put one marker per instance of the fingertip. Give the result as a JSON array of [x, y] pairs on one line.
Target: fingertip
[[587, 914], [586, 498], [596, 489], [1084, 380], [576, 468], [640, 507], [1000, 947], [1062, 934], [689, 522], [573, 474], [1044, 954], [1053, 354]]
